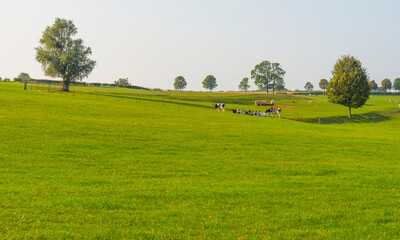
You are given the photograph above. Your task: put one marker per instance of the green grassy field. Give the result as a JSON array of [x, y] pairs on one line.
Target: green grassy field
[[165, 165]]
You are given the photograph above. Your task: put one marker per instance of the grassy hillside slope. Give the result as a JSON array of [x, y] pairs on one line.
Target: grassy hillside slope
[[82, 165]]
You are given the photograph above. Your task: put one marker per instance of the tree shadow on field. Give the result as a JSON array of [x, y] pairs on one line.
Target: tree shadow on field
[[357, 118], [161, 101]]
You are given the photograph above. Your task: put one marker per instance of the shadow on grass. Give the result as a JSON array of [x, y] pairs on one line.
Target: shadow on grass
[[357, 118], [140, 98]]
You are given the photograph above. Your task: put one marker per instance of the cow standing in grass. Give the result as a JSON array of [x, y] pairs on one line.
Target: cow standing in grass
[[274, 110], [219, 106]]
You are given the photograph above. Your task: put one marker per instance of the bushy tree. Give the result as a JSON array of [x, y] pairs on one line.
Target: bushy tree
[[309, 87], [266, 75], [323, 84], [24, 77], [396, 84], [349, 84], [386, 84], [1, 79], [6, 80], [122, 82], [180, 83], [372, 85], [244, 84], [210, 82], [62, 56]]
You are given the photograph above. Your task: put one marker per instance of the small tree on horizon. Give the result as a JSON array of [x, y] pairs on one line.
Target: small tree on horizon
[[349, 85], [309, 87], [244, 84], [122, 82], [180, 83], [396, 84], [372, 85], [386, 84], [210, 82], [64, 57], [323, 84]]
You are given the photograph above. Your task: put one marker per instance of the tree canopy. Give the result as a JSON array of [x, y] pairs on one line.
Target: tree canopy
[[210, 82], [244, 84], [323, 84], [396, 84], [62, 56], [386, 84], [372, 85], [309, 87], [24, 76], [122, 82], [266, 75], [349, 85], [180, 83]]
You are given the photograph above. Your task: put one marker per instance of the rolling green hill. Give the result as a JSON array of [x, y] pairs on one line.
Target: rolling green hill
[[113, 163]]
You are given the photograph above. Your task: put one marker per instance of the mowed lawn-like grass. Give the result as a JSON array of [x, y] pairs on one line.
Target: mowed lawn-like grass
[[165, 165]]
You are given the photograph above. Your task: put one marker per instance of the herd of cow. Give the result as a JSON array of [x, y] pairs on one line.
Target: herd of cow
[[270, 111]]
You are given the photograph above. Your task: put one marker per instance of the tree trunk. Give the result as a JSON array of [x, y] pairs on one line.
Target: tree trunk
[[65, 85], [349, 112]]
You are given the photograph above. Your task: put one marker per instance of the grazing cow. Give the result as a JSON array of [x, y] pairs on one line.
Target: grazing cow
[[390, 100], [310, 101], [272, 102], [397, 102], [219, 106], [274, 110], [294, 102]]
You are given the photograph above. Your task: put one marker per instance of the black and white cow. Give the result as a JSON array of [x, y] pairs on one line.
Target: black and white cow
[[219, 106], [274, 110]]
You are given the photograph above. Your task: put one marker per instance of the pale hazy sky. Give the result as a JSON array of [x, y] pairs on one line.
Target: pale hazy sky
[[153, 41]]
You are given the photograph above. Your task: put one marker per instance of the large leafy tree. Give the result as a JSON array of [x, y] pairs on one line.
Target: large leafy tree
[[122, 82], [180, 83], [266, 75], [386, 84], [323, 84], [62, 56], [309, 87], [372, 85], [210, 82], [396, 84], [244, 84], [349, 84]]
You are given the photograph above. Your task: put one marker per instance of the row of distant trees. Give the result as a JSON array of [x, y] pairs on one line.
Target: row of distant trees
[[386, 85], [267, 76]]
